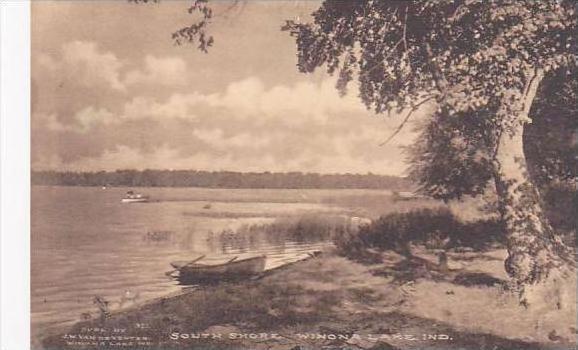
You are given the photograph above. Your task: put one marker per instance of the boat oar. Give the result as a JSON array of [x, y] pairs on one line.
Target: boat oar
[[230, 261], [169, 273], [194, 261]]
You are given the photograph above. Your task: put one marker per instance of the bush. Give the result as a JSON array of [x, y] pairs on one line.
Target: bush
[[434, 228], [348, 243], [397, 230]]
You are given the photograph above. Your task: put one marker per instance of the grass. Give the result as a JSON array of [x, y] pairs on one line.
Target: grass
[[474, 304], [333, 295], [304, 229], [385, 278]]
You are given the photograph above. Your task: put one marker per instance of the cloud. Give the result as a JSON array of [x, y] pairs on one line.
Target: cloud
[[249, 126], [166, 157], [246, 100], [180, 106], [85, 119], [91, 64], [250, 100], [92, 115], [163, 70], [244, 140], [83, 63], [303, 100], [50, 122], [99, 103]]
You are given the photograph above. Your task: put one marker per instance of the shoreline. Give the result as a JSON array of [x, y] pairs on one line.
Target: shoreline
[[337, 302], [62, 328]]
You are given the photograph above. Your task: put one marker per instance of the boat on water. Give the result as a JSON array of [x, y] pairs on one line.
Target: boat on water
[[132, 197], [230, 270], [406, 195]]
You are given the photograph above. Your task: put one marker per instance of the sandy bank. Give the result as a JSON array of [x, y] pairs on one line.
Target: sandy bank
[[335, 303]]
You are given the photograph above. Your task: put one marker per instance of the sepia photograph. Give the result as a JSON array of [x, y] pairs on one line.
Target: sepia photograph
[[303, 174]]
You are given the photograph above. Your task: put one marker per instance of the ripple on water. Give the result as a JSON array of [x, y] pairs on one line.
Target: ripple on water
[[84, 247]]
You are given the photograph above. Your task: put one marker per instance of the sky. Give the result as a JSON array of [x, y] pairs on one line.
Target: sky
[[110, 90]]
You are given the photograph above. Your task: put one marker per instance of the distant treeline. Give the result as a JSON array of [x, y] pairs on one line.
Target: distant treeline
[[217, 179]]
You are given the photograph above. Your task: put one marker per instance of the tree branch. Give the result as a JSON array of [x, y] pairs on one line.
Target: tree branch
[[384, 59], [404, 36], [406, 119], [531, 90]]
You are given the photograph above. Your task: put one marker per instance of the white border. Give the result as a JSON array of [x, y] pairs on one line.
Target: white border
[[14, 174]]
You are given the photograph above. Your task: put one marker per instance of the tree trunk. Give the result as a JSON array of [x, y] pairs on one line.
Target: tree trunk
[[535, 251]]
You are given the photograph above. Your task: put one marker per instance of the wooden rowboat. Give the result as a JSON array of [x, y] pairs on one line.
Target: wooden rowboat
[[232, 269]]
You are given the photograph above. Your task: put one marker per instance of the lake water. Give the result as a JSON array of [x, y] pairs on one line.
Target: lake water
[[86, 243]]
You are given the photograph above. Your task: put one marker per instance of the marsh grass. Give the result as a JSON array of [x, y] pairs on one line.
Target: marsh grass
[[301, 229], [415, 222]]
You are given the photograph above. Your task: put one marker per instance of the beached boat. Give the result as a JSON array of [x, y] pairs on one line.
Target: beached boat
[[232, 269], [132, 197]]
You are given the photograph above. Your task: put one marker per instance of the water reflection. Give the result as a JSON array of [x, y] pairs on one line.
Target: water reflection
[[86, 244]]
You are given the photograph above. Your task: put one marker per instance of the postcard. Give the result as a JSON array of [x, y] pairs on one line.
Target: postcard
[[303, 174]]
